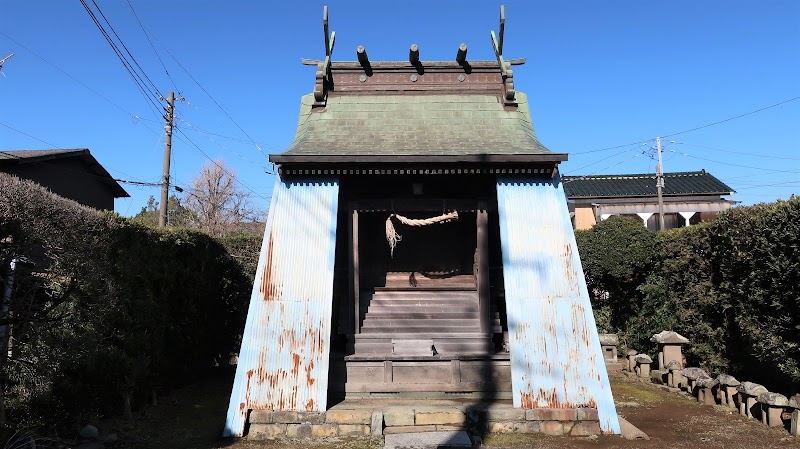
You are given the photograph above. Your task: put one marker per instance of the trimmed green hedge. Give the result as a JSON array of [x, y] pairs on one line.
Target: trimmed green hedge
[[732, 286], [108, 313]]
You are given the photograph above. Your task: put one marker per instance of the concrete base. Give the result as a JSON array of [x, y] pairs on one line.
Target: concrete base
[[427, 440], [390, 417]]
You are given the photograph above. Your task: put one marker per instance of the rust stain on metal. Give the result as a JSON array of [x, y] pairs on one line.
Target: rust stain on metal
[[555, 348], [268, 290], [283, 363]]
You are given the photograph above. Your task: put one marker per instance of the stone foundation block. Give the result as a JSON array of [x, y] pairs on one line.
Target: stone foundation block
[[284, 417], [398, 416], [324, 430], [585, 429], [444, 416], [588, 414], [376, 426], [505, 427], [706, 396], [349, 416], [497, 414], [551, 414], [266, 431], [408, 429], [794, 429], [552, 428], [298, 430], [449, 428], [311, 417], [771, 415], [260, 417], [353, 429]]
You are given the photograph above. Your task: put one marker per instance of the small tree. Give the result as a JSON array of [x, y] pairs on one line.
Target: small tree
[[177, 213], [217, 205], [616, 255]]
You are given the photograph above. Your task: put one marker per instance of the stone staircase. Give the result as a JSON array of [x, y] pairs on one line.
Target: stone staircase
[[448, 319]]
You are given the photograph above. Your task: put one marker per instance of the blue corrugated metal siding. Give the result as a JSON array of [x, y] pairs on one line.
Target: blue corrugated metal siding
[[283, 362], [556, 359]]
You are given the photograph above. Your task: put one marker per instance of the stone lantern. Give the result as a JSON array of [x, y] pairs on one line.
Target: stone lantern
[[669, 347]]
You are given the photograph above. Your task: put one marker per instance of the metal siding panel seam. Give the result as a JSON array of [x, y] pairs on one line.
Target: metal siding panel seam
[[556, 358], [284, 358]]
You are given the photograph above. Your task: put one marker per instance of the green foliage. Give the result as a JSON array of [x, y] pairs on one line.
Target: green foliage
[[108, 311], [730, 286], [177, 213], [616, 255]]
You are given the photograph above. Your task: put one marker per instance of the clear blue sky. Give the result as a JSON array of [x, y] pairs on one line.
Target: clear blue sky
[[599, 74]]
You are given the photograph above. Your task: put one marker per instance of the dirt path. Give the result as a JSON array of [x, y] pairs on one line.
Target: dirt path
[[192, 418], [671, 420]]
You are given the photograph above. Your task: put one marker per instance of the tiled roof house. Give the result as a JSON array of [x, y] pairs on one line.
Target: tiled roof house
[[689, 198]]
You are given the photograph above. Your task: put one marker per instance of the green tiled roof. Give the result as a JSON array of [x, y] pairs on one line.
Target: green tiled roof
[[415, 125], [678, 183]]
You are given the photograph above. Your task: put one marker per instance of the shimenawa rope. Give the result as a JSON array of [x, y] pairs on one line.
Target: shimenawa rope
[[393, 237]]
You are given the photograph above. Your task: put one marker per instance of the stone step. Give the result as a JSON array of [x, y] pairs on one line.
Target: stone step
[[422, 302], [428, 440], [423, 308], [411, 322], [443, 346], [400, 294], [423, 315], [419, 328]]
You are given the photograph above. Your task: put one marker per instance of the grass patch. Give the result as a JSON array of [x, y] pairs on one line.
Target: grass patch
[[647, 394], [518, 440]]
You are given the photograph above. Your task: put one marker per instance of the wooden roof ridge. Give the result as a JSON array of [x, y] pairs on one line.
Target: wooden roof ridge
[[432, 75]]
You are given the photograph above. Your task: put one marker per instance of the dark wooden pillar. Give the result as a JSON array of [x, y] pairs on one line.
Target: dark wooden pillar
[[483, 266], [352, 224]]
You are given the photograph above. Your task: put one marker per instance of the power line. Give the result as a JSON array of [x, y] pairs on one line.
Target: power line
[[732, 118], [767, 156], [153, 46], [204, 134], [144, 89], [772, 170], [692, 129], [133, 116], [191, 142], [614, 147], [606, 158], [141, 70], [57, 148], [210, 96]]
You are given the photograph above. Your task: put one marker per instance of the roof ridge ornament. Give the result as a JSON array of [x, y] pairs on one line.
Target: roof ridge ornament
[[323, 75], [509, 93]]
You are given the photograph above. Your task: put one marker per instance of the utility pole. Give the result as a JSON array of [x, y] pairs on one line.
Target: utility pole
[[660, 186], [162, 218]]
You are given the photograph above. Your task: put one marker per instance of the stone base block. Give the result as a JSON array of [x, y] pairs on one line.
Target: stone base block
[[353, 429], [398, 416], [771, 416], [443, 416], [408, 429], [324, 430], [259, 432], [794, 429], [706, 396], [363, 416], [551, 414], [585, 429]]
